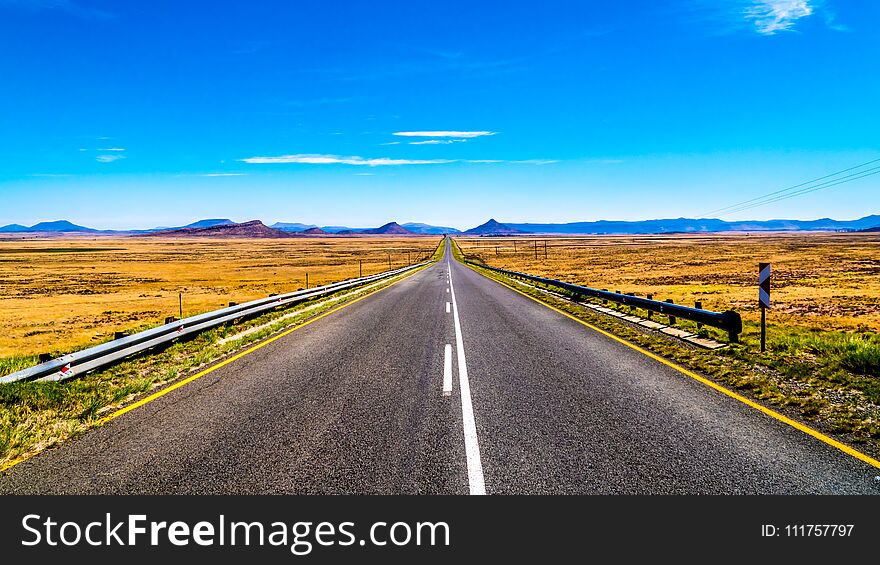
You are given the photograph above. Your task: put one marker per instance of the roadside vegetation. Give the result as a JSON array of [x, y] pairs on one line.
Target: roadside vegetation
[[38, 415], [829, 378], [61, 295]]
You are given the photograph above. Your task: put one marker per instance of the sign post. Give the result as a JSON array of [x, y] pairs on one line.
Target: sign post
[[764, 299]]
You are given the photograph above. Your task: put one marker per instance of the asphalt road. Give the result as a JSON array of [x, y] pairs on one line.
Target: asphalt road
[[355, 403]]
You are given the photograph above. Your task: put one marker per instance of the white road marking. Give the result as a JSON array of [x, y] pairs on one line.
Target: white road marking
[[450, 284], [447, 308], [471, 444], [447, 370]]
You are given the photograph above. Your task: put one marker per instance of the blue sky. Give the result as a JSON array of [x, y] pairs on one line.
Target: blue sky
[[136, 114]]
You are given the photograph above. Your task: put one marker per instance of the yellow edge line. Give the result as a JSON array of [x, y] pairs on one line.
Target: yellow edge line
[[772, 413], [200, 374]]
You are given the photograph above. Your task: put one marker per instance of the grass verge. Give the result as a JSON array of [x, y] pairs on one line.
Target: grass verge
[[828, 379]]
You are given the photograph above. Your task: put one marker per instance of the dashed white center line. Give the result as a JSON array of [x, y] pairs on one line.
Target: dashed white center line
[[447, 308], [447, 370], [476, 482]]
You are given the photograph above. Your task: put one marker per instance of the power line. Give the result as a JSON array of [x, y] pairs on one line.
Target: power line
[[828, 184], [730, 209], [807, 190]]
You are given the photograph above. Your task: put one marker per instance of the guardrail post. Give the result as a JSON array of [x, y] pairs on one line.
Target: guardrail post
[[699, 306], [118, 335], [43, 357], [170, 319], [671, 318], [233, 303], [650, 297]]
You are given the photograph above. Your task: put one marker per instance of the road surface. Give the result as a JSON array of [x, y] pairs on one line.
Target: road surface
[[534, 402]]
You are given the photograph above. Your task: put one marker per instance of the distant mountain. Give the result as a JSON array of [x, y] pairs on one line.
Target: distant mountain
[[391, 228], [428, 229], [208, 223], [252, 229], [199, 224], [689, 225], [292, 227], [58, 226], [493, 228], [338, 229]]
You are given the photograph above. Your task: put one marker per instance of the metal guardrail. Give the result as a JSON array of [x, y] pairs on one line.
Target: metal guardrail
[[729, 321], [80, 362]]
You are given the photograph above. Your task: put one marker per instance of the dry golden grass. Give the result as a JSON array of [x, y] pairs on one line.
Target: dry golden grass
[[62, 294], [827, 281]]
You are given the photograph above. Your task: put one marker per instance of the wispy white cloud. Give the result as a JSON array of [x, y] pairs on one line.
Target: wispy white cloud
[[390, 143], [112, 149], [225, 175], [313, 159], [108, 158], [316, 159], [68, 6], [432, 142], [766, 17], [459, 134], [536, 161], [437, 141], [772, 16]]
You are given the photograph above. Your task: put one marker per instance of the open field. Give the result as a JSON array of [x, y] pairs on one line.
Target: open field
[[58, 295], [823, 356], [37, 415], [822, 281]]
